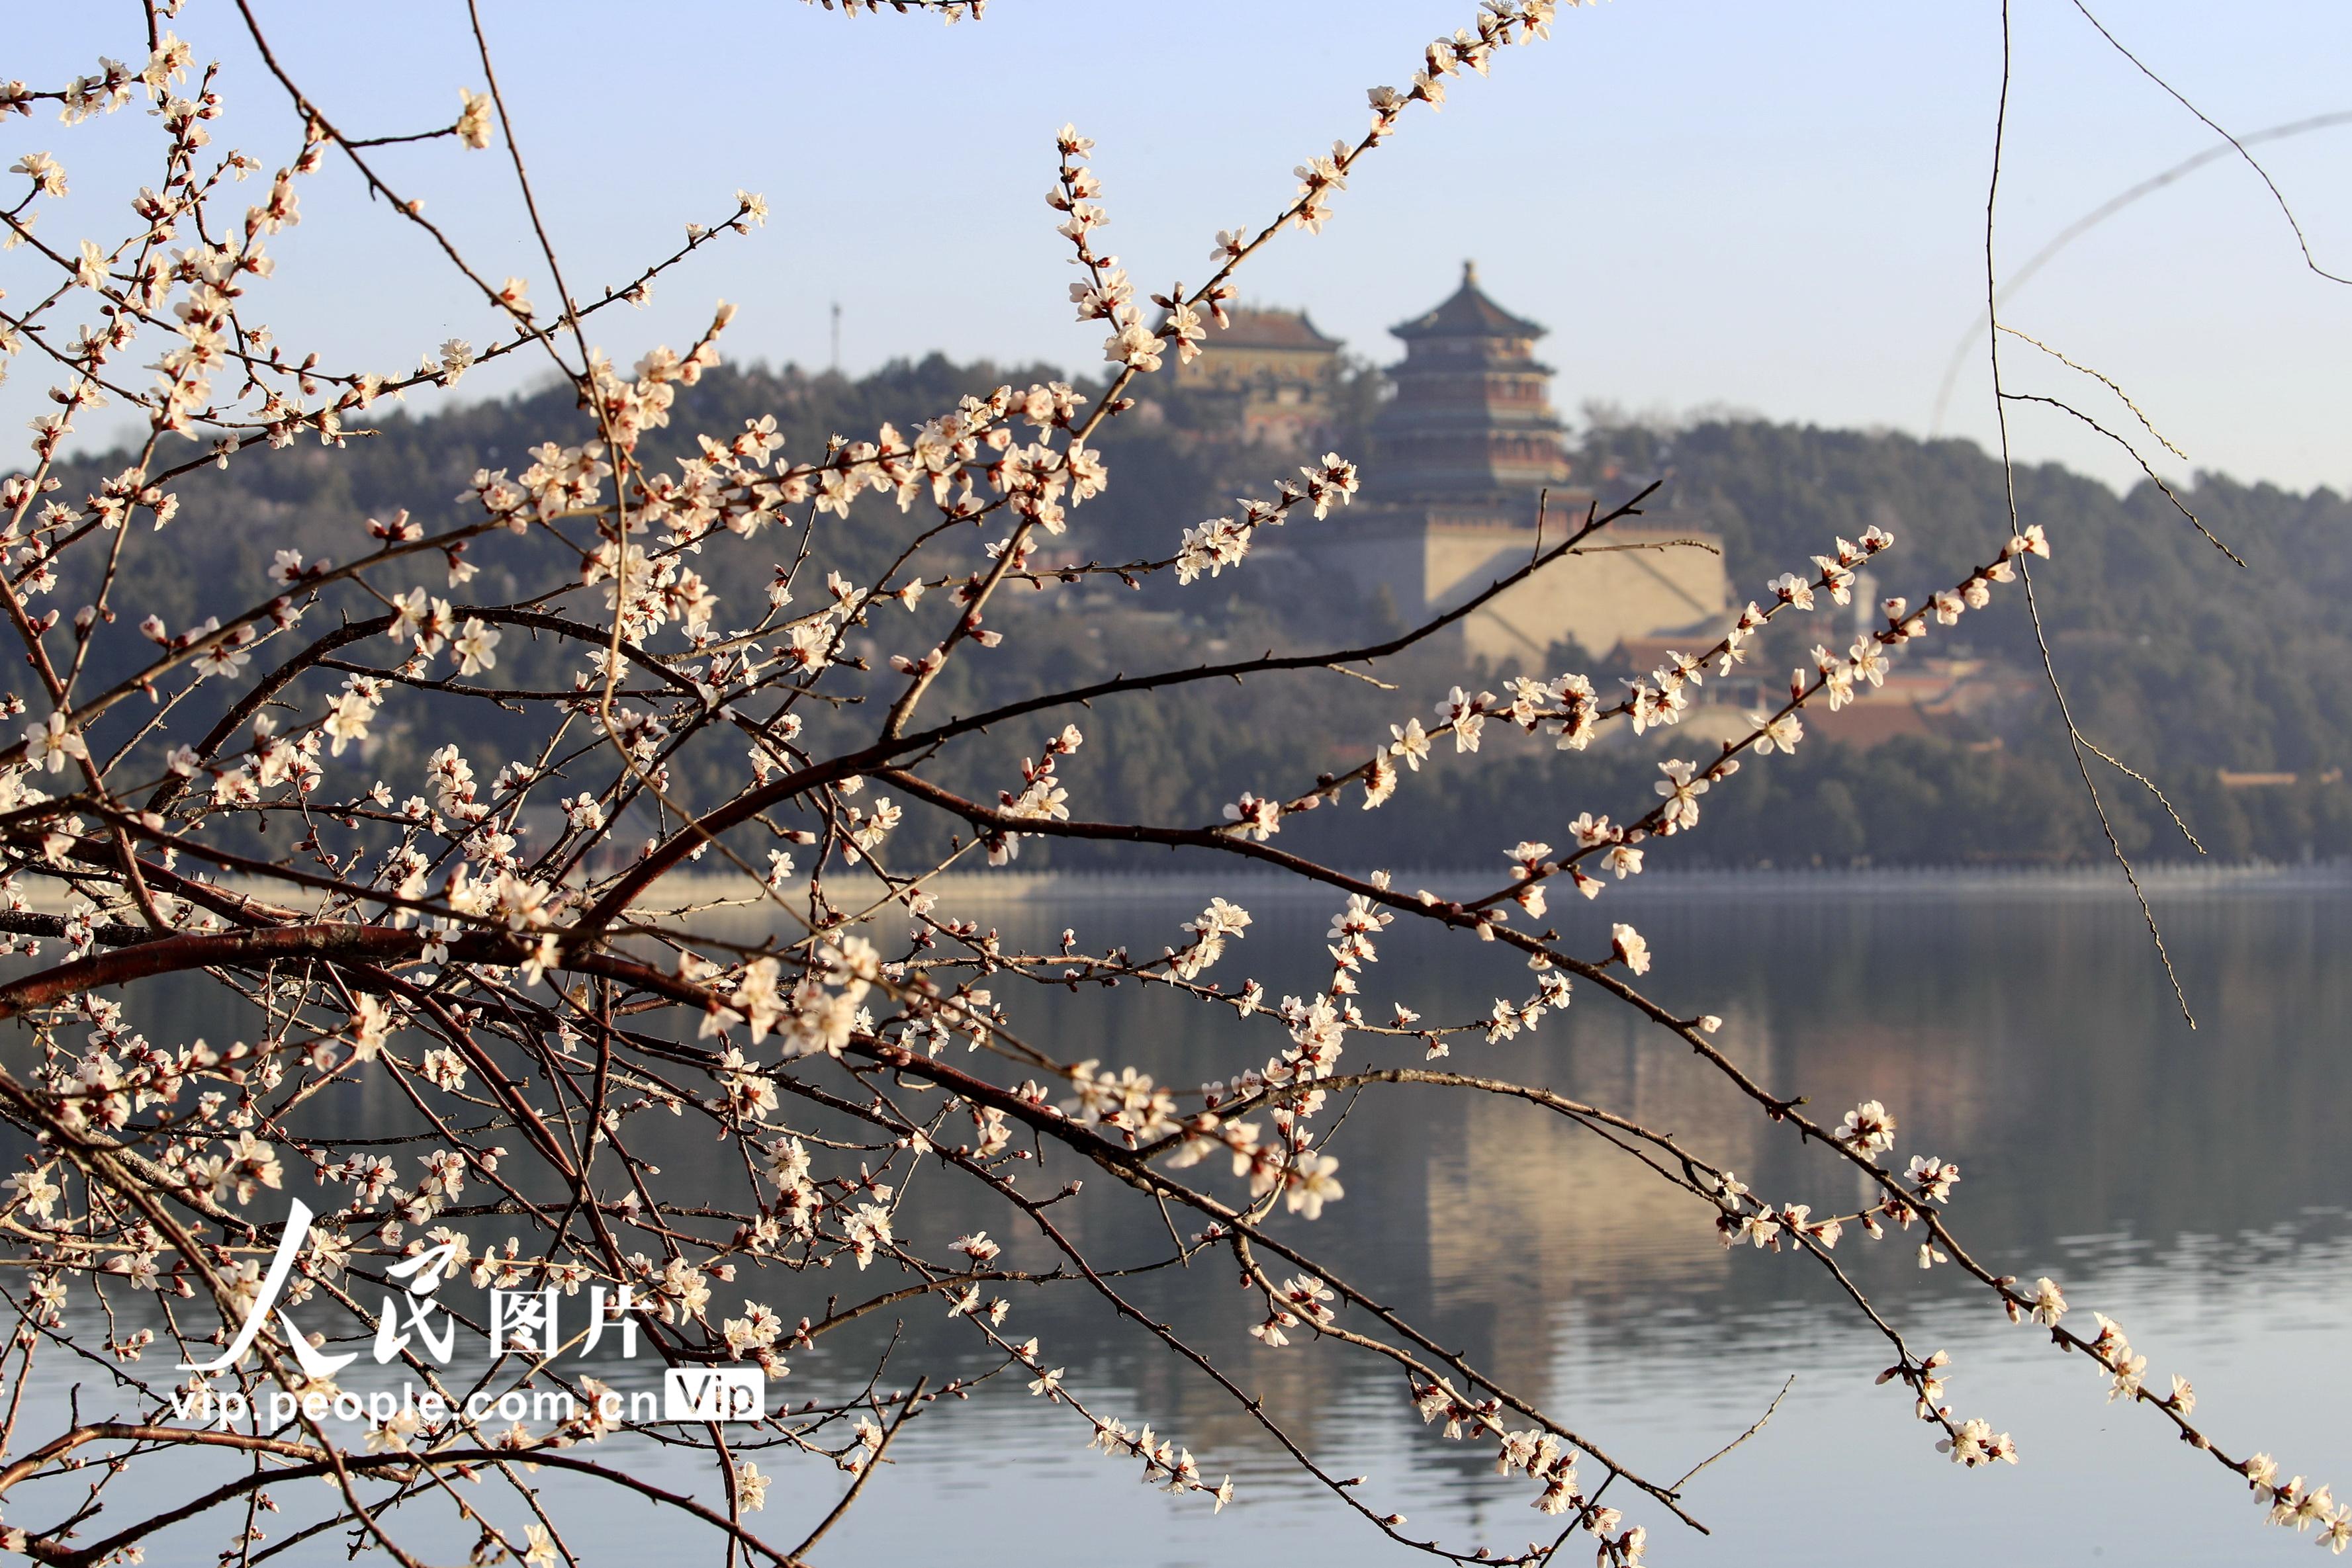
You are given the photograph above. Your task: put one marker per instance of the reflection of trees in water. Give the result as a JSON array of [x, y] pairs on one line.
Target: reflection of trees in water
[[2057, 1083], [2030, 1048], [2027, 1047]]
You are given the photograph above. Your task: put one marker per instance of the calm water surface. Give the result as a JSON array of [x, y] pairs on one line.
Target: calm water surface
[[2194, 1185]]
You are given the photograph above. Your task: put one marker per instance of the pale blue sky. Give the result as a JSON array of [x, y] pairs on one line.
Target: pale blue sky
[[1774, 207]]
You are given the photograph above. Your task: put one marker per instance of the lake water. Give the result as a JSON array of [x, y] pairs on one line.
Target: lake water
[[2193, 1185]]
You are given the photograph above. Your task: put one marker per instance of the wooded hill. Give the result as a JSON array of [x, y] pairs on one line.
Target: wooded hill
[[2175, 661]]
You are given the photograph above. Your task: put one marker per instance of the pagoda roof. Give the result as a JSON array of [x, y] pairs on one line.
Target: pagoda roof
[[1257, 329], [1468, 313]]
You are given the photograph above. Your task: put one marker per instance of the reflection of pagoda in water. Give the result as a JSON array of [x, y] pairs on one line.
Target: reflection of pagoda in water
[[1459, 459]]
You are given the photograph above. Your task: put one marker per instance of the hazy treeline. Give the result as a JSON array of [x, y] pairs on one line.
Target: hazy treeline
[[2179, 694]]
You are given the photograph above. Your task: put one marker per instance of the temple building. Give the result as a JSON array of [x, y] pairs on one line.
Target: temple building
[[1277, 368], [1470, 431], [1456, 462]]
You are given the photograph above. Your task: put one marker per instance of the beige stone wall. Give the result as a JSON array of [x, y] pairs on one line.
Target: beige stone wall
[[1596, 599], [1429, 565]]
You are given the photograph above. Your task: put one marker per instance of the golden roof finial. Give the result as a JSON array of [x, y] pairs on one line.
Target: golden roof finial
[[1469, 275]]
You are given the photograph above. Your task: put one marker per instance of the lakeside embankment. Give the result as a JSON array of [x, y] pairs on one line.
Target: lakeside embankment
[[2105, 880]]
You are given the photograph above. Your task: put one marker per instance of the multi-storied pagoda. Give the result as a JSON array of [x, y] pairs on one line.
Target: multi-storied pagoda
[[1471, 424], [1456, 463]]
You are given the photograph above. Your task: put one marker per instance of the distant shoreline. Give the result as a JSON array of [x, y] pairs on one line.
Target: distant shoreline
[[2106, 880], [2165, 881]]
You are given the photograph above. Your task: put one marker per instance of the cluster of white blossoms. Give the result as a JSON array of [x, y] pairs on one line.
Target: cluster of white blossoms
[[1209, 930], [1041, 797], [1106, 293], [1219, 542], [1567, 707], [498, 956], [2301, 1505], [1540, 1454], [818, 1012], [949, 11]]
